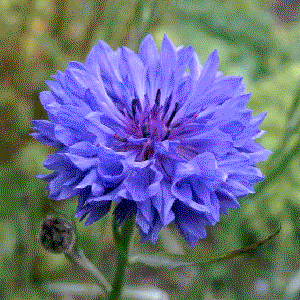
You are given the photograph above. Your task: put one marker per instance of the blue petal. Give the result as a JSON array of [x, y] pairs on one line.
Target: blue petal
[[215, 141], [142, 222], [143, 182], [57, 92], [148, 51], [206, 198], [182, 190], [195, 67], [95, 211], [226, 200], [47, 140], [136, 71], [152, 233], [184, 57], [97, 189], [233, 128], [190, 223], [78, 80], [46, 98], [88, 180], [83, 148], [168, 64], [46, 135], [82, 163], [222, 90], [65, 135], [208, 73], [205, 81], [163, 202], [259, 156]]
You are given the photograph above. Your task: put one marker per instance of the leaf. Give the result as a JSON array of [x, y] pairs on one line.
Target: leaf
[[168, 260], [236, 253]]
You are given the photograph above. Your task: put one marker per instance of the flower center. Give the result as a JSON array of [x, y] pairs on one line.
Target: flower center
[[150, 123]]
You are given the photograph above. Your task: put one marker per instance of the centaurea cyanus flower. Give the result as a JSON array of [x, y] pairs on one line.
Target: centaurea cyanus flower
[[164, 137]]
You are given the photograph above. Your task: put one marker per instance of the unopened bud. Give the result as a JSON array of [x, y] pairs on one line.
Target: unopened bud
[[57, 235]]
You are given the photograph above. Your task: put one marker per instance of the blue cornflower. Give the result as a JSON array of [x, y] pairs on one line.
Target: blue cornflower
[[162, 136]]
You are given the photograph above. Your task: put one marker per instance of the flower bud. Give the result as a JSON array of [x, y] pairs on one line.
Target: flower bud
[[56, 235]]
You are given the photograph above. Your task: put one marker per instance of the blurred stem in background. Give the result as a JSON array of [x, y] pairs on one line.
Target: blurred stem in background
[[96, 20], [27, 15], [147, 21], [201, 281], [59, 20], [141, 17], [78, 257]]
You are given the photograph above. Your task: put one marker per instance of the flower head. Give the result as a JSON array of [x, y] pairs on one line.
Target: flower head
[[161, 135]]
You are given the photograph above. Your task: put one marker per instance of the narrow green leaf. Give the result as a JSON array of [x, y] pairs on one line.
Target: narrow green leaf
[[168, 260], [236, 253]]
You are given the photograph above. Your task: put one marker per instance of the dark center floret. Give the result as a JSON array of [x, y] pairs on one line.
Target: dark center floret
[[157, 98], [174, 112], [135, 105]]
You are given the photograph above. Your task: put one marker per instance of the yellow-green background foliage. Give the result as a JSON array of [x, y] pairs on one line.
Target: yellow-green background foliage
[[39, 37]]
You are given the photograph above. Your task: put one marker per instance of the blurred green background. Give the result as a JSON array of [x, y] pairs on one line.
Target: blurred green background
[[257, 39]]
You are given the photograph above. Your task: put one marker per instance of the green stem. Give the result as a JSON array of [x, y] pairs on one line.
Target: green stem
[[123, 242], [78, 257]]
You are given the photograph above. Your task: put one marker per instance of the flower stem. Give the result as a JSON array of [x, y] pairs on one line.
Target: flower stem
[[123, 242], [77, 256]]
